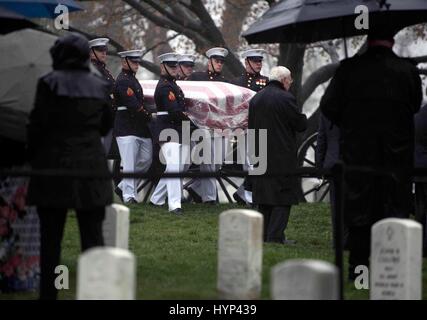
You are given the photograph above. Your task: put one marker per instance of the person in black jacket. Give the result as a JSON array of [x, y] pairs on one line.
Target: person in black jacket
[[274, 108], [372, 98], [171, 115], [131, 125], [71, 113]]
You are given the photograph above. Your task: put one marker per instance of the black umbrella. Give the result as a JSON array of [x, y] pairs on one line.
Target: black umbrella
[[38, 8], [10, 21], [26, 58], [309, 21]]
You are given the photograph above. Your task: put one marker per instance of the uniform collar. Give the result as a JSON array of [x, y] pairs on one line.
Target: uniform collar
[[168, 78], [128, 72], [253, 75], [98, 63], [210, 73]]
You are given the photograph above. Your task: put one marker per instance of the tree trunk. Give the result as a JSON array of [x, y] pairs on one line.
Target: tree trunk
[[292, 57]]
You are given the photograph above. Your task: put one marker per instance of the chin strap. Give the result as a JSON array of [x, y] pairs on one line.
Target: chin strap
[[183, 73], [127, 62], [96, 57], [167, 71], [250, 65], [213, 68]]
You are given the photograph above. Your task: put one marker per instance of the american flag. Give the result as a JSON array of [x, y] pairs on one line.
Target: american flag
[[210, 104]]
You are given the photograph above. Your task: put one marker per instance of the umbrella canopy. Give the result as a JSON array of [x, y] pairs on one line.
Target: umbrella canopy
[[25, 57], [309, 21], [38, 8], [10, 21]]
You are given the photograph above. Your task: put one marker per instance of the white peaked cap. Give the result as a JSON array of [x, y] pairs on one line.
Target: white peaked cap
[[98, 42], [253, 53], [222, 52], [168, 57], [186, 58], [131, 54]]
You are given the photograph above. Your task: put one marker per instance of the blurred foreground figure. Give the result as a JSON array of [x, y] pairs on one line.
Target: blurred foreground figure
[[274, 109], [421, 162], [372, 99], [71, 113]]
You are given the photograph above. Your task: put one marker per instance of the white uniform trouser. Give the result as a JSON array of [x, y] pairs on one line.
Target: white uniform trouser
[[244, 194], [137, 155], [175, 155], [206, 188]]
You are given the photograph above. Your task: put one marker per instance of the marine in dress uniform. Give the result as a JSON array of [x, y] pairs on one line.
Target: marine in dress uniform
[[185, 66], [205, 190], [98, 58], [170, 103], [131, 124], [216, 61], [254, 80]]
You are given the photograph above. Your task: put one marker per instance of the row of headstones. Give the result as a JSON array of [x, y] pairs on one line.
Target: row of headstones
[[396, 258]]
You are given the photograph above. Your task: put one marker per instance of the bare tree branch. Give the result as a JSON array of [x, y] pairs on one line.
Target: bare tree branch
[[159, 44], [213, 33], [177, 18], [146, 11]]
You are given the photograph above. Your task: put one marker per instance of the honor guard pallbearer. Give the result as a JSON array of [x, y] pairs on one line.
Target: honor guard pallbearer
[[131, 125]]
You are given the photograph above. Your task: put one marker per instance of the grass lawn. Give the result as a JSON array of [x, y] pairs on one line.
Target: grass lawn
[[177, 256]]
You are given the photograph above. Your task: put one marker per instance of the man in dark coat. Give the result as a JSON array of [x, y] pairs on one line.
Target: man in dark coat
[[372, 99], [254, 80], [131, 128], [71, 113], [421, 162], [275, 110]]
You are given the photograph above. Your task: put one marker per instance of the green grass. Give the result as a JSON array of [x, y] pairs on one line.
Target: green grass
[[177, 256]]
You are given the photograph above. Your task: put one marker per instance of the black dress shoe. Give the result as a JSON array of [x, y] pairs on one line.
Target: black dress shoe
[[239, 199], [194, 195], [177, 211], [119, 192], [210, 202]]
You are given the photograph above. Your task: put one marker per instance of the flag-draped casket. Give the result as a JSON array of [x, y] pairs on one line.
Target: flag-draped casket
[[210, 104]]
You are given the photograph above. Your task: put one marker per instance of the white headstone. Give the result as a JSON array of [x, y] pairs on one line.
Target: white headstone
[[240, 254], [106, 273], [304, 280], [115, 227], [396, 257]]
